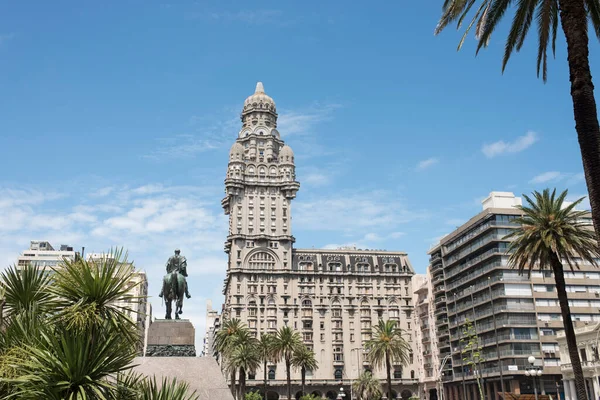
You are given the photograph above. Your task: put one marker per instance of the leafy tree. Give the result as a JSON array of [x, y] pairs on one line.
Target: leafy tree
[[367, 387], [286, 342], [471, 352], [304, 358], [386, 348], [550, 234], [574, 16], [267, 353]]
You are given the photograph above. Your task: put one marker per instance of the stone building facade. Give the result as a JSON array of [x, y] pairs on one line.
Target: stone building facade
[[333, 298], [588, 347], [426, 338]]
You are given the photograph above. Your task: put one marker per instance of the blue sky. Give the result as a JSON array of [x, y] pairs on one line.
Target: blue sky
[[116, 120]]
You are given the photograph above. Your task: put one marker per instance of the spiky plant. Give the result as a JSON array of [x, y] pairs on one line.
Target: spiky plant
[[26, 288], [386, 348], [91, 293], [168, 389], [574, 16], [552, 233]]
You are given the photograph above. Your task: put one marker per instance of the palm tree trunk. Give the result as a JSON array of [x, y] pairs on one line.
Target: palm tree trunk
[[289, 378], [559, 278], [265, 378], [574, 22], [388, 367], [232, 377], [303, 373], [242, 383]]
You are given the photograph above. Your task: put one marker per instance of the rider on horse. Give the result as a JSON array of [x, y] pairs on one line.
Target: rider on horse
[[177, 263]]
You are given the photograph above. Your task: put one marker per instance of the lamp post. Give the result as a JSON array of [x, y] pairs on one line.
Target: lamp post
[[533, 372], [341, 394]]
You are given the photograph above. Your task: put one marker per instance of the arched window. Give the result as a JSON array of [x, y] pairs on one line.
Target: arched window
[[261, 260], [338, 373], [306, 303], [251, 170], [271, 303], [412, 374], [272, 373]]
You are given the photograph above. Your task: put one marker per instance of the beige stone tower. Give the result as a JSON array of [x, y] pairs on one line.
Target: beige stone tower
[[333, 298]]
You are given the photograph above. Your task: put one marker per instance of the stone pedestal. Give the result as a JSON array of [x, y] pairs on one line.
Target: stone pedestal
[[171, 338]]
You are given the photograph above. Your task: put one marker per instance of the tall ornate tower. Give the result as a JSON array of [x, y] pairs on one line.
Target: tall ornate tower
[[332, 298], [259, 188]]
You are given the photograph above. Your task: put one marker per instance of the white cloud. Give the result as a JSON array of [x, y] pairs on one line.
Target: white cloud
[[546, 177], [301, 122], [556, 176], [501, 147], [347, 212], [424, 164], [149, 221]]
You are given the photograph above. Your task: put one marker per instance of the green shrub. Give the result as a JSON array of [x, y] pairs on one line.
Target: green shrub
[[309, 397], [252, 396]]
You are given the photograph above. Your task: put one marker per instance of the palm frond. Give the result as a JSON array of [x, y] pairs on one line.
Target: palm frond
[[548, 228], [593, 10], [387, 340]]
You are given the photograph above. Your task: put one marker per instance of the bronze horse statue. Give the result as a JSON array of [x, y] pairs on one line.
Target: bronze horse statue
[[174, 285]]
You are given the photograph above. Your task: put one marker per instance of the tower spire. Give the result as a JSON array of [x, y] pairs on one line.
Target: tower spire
[[259, 88]]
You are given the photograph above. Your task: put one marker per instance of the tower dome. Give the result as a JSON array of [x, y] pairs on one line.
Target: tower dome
[[237, 152], [286, 155], [259, 102]]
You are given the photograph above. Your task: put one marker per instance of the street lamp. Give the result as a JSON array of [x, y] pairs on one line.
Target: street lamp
[[533, 372], [341, 394]]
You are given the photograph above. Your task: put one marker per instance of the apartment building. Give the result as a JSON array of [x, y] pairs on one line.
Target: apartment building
[[515, 316]]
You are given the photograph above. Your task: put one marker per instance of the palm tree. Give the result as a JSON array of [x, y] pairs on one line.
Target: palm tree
[[244, 357], [386, 348], [267, 354], [304, 358], [551, 233], [286, 342], [574, 16], [367, 387], [224, 339]]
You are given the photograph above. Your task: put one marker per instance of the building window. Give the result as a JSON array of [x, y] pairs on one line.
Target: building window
[[272, 373], [338, 373], [398, 373]]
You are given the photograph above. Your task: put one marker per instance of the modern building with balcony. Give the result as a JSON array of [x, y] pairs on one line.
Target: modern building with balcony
[[515, 316], [587, 342]]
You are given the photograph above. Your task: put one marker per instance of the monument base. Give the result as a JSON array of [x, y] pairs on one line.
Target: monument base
[[171, 338]]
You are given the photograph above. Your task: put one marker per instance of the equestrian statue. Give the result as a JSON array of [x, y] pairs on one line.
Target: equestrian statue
[[174, 284]]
